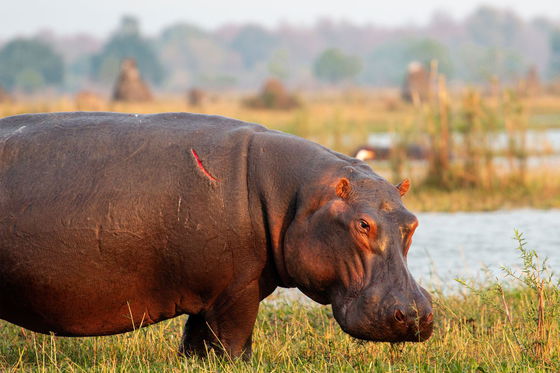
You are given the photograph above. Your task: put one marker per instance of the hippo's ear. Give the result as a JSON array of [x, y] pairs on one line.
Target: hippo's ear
[[403, 186], [343, 188]]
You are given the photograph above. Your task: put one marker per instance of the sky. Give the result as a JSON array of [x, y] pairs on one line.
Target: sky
[[100, 17]]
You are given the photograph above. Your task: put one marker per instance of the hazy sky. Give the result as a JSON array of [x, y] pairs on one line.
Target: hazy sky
[[99, 17]]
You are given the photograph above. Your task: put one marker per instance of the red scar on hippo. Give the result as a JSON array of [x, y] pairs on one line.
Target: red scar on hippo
[[109, 222]]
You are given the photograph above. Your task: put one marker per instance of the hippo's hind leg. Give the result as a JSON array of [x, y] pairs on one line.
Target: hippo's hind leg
[[227, 328]]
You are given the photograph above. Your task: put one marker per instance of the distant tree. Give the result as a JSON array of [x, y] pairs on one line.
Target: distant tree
[[186, 46], [388, 63], [334, 66], [427, 50], [279, 64], [495, 46], [480, 63], [127, 42], [254, 44], [543, 24], [29, 64], [494, 27], [554, 64], [195, 57]]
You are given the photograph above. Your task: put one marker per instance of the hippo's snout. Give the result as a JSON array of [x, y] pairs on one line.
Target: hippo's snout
[[390, 318], [412, 323]]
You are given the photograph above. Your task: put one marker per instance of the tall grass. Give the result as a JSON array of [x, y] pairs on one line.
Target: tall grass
[[515, 123], [477, 124], [510, 324], [533, 328], [461, 137]]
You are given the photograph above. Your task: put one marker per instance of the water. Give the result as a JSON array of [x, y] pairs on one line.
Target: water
[[461, 244], [539, 141], [471, 244], [536, 139]]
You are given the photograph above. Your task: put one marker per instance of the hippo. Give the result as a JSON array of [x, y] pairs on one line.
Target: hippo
[[110, 222]]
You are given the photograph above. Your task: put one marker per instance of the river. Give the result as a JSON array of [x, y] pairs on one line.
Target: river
[[461, 244], [536, 139]]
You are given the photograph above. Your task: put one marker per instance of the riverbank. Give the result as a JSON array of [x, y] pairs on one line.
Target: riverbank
[[539, 193], [507, 326]]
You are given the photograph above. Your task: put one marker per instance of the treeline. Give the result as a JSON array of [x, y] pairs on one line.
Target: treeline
[[489, 43]]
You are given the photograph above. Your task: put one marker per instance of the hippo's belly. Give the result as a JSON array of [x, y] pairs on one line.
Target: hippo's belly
[[97, 278]]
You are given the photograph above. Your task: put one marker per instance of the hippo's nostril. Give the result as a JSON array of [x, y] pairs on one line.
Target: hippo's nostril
[[399, 316], [430, 318]]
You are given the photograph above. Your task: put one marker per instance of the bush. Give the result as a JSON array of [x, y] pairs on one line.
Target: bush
[[273, 95]]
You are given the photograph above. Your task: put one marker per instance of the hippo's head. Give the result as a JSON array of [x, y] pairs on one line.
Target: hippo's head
[[347, 246]]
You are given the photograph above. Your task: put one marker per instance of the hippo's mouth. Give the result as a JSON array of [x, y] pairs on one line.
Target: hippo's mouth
[[376, 325]]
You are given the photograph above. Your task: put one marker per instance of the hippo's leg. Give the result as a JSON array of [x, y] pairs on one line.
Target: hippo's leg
[[248, 348], [227, 328], [196, 336]]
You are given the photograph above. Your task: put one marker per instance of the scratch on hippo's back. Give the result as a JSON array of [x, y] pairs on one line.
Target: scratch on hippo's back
[[201, 166]]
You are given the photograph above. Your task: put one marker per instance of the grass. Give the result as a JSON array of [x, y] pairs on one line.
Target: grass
[[541, 190], [506, 325]]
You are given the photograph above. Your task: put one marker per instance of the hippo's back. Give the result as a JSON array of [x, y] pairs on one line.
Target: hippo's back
[[105, 214]]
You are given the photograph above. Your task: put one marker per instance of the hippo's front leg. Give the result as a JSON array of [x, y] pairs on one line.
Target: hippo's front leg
[[228, 327]]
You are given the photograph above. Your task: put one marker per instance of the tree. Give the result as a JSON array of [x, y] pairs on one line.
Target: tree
[[279, 64], [333, 66], [494, 28], [29, 64], [127, 42], [388, 63], [554, 64], [195, 57], [481, 63], [254, 44]]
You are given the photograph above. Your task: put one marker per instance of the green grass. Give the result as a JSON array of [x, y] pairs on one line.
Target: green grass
[[540, 193], [540, 121], [495, 326]]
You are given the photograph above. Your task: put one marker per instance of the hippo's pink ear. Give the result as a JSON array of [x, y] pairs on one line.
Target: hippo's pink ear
[[343, 188], [403, 186]]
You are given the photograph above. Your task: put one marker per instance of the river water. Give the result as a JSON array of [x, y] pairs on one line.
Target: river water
[[536, 139], [473, 245], [465, 244]]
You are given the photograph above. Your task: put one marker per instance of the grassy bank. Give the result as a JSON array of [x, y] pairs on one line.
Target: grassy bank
[[540, 191], [511, 325]]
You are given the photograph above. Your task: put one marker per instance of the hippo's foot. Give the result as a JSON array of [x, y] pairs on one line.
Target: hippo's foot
[[197, 337], [228, 330]]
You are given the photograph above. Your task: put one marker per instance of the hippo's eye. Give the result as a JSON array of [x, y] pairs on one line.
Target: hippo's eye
[[364, 225]]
